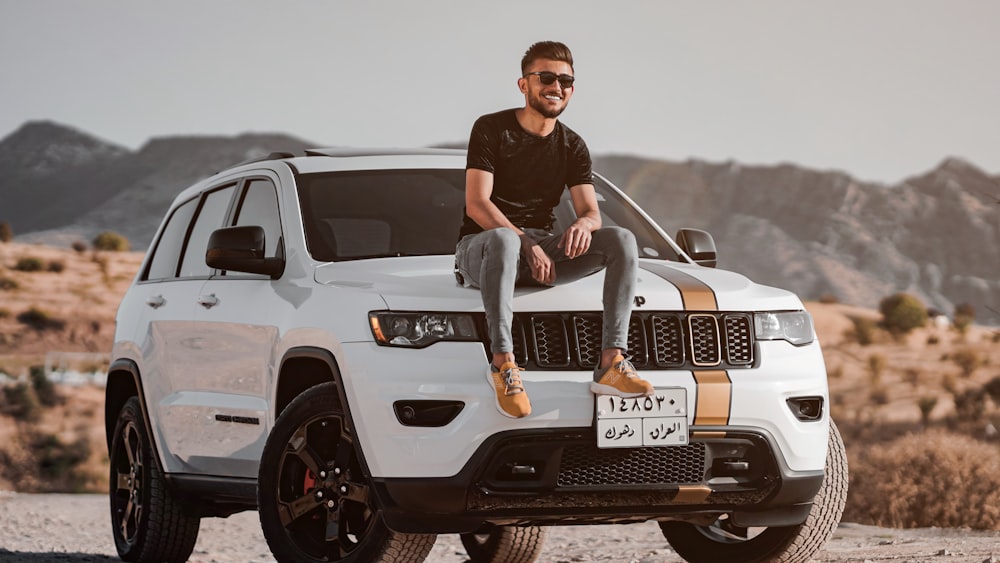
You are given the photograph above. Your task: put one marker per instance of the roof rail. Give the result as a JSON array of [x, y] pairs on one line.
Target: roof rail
[[269, 156], [354, 151]]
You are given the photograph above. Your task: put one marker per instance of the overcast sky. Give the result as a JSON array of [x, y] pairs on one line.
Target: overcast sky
[[879, 89]]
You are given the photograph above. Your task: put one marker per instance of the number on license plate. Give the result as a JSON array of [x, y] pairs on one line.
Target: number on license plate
[[657, 420]]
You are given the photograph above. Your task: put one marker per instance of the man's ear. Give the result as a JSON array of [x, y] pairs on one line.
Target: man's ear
[[522, 85]]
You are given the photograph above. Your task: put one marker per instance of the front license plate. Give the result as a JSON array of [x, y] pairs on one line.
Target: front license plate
[[657, 420]]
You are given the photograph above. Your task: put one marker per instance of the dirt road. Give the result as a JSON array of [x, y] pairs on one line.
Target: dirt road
[[76, 529]]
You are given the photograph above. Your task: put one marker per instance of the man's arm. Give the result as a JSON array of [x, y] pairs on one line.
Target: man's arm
[[479, 208], [576, 239]]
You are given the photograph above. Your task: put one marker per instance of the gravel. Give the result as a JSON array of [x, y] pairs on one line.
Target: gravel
[[76, 529]]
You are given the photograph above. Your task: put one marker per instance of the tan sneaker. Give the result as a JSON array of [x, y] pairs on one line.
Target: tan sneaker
[[621, 380], [512, 399]]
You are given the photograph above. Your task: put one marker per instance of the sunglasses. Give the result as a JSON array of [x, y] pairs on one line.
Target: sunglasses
[[547, 78]]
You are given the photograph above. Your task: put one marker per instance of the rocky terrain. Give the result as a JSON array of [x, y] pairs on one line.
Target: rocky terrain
[[73, 529]]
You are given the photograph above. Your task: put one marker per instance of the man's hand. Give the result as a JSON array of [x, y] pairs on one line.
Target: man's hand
[[576, 240], [542, 268]]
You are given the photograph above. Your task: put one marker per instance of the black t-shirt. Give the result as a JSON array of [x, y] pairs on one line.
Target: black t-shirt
[[529, 172]]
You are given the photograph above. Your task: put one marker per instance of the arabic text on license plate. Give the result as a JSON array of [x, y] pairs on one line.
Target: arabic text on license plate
[[657, 420]]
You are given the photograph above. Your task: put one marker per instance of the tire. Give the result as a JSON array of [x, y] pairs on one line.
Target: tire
[[792, 544], [149, 525], [505, 544], [314, 500]]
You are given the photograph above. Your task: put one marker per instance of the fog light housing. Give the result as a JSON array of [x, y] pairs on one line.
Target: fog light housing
[[806, 409]]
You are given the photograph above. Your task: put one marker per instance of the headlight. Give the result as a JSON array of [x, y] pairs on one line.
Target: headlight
[[417, 330], [794, 326]]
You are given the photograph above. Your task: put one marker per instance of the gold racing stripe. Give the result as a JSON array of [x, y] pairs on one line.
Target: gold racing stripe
[[696, 295], [714, 388], [715, 394], [692, 494]]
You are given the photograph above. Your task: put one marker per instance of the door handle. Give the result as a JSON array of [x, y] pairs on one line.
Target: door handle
[[156, 301], [208, 301]]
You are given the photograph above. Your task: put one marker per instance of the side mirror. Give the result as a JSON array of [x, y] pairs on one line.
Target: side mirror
[[241, 249], [699, 245]]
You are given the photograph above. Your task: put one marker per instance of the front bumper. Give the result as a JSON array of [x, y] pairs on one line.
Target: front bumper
[[559, 476]]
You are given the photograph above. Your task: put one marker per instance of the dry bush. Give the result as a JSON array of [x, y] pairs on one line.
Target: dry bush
[[40, 320], [935, 478], [967, 360], [29, 264], [865, 331]]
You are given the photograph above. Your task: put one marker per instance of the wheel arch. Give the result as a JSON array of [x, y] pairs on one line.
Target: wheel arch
[[301, 369], [124, 381]]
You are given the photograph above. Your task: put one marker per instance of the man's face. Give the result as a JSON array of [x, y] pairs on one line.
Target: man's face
[[547, 99]]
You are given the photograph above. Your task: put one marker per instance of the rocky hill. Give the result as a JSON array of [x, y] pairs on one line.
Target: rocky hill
[[936, 235], [817, 233]]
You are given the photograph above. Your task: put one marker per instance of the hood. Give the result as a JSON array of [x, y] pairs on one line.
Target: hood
[[427, 283]]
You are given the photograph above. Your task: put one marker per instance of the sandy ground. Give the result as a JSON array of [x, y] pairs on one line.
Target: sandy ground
[[75, 529]]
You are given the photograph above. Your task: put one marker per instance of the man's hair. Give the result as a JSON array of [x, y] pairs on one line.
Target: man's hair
[[553, 50]]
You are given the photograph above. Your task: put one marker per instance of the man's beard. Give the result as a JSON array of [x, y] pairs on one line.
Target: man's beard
[[541, 107]]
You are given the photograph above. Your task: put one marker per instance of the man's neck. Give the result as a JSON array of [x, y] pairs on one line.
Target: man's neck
[[534, 122]]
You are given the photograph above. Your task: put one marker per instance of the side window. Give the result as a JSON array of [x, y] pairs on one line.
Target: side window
[[211, 216], [260, 208], [163, 264]]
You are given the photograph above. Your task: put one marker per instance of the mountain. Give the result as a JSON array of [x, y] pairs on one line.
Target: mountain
[[50, 172], [817, 233], [936, 235], [58, 185]]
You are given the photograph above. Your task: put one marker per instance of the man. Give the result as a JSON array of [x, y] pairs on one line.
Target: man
[[519, 162]]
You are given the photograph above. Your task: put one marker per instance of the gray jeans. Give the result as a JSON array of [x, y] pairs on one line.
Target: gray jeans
[[492, 261]]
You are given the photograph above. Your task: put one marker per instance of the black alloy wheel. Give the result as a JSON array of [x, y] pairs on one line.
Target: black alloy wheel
[[315, 501]]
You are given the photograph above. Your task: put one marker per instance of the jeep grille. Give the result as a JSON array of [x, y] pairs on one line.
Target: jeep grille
[[665, 340]]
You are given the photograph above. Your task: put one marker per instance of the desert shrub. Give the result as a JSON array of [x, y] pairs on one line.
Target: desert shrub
[[21, 402], [864, 330], [110, 240], [4, 313], [56, 266], [902, 313], [56, 458], [879, 396], [6, 233], [836, 373], [79, 246], [7, 284], [40, 320], [933, 479], [29, 264], [44, 389], [967, 360], [992, 389], [970, 405], [828, 298], [933, 339], [965, 315], [876, 365], [926, 405]]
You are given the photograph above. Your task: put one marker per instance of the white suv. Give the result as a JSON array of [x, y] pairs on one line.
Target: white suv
[[296, 342]]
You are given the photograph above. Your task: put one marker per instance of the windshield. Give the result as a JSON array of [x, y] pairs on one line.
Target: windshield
[[381, 213]]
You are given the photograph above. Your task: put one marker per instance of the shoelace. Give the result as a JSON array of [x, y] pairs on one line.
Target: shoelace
[[626, 368], [513, 381]]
